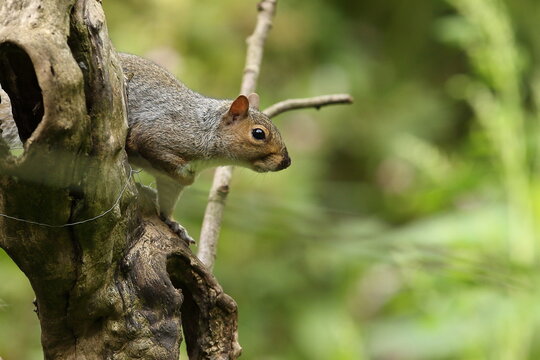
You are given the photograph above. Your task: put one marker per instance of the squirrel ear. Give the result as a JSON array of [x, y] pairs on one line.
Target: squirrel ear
[[254, 100], [239, 108]]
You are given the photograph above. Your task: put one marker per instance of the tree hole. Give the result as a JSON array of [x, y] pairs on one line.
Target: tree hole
[[18, 79], [191, 313]]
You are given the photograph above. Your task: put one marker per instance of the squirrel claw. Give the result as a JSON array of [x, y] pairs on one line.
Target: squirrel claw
[[178, 230]]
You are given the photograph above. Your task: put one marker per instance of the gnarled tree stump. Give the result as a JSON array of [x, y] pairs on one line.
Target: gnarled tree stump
[[111, 281]]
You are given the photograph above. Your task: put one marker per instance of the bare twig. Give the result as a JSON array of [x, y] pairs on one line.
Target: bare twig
[[316, 102], [222, 177], [213, 215]]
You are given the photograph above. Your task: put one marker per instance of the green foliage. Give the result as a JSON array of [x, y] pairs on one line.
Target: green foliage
[[406, 226]]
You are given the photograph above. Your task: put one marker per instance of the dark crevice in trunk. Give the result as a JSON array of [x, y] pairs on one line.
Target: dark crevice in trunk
[[209, 316], [189, 309], [190, 318], [19, 81]]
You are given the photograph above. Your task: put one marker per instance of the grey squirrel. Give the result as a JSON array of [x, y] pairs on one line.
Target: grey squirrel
[[174, 133]]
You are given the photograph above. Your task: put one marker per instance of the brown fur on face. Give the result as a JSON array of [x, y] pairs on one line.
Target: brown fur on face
[[261, 155]]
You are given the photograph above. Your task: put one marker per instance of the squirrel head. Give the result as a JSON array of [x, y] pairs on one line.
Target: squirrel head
[[253, 140]]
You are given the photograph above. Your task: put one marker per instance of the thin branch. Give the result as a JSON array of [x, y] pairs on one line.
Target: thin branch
[[316, 102], [213, 216], [222, 177]]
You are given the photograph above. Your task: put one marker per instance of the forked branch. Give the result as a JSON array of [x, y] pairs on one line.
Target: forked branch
[[222, 177]]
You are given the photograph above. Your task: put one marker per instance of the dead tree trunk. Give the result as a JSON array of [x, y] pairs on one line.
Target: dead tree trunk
[[110, 279]]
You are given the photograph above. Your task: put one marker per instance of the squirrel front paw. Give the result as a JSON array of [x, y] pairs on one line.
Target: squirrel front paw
[[178, 229]]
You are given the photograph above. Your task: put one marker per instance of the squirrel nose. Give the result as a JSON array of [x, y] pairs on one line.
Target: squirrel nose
[[285, 163]]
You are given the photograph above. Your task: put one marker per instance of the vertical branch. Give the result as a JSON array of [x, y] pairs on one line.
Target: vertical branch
[[213, 215], [222, 177], [255, 49]]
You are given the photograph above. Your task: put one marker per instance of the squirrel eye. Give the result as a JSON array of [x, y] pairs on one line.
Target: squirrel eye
[[258, 134]]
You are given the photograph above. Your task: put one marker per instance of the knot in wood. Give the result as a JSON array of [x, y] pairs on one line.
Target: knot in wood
[[223, 190]]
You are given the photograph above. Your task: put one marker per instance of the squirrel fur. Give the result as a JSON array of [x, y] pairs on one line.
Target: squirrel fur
[[174, 132]]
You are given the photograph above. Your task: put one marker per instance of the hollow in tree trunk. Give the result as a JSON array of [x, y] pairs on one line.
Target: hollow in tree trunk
[[111, 281]]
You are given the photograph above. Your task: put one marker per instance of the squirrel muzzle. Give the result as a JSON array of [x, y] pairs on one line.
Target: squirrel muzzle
[[272, 162], [285, 163]]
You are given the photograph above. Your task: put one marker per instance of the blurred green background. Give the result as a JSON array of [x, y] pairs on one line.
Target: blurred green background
[[407, 226]]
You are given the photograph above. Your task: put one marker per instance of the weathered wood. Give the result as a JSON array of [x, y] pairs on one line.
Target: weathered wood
[[114, 285]]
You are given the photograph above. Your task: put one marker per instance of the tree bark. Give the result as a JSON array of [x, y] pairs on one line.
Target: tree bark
[[110, 279]]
